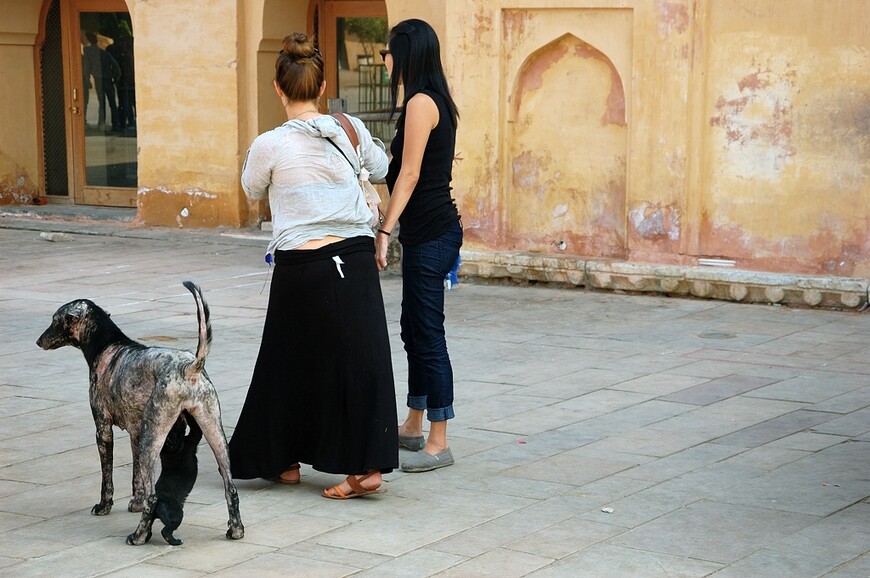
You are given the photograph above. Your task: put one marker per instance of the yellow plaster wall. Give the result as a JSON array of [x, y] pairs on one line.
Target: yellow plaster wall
[[575, 182], [747, 129], [267, 22], [487, 43], [19, 161], [188, 98], [279, 19], [19, 158], [251, 19], [432, 11], [787, 137]]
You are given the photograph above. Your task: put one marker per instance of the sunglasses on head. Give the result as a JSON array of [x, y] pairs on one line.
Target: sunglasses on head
[[383, 52]]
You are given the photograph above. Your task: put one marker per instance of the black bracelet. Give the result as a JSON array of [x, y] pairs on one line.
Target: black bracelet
[[382, 232]]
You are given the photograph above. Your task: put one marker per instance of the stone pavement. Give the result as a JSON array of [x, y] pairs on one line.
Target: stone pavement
[[597, 434]]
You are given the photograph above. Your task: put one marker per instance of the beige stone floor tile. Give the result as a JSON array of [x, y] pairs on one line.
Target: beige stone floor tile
[[499, 563], [560, 412], [89, 559], [616, 562], [204, 551]]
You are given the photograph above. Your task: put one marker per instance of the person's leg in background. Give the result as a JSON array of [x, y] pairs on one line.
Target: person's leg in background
[[430, 374]]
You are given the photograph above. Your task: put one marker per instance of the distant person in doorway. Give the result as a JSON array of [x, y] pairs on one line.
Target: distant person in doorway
[[122, 51], [97, 64]]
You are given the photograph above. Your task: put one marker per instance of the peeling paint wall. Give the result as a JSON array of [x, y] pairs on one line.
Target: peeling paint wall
[[656, 131], [543, 137], [16, 184], [788, 136], [575, 182], [746, 131]]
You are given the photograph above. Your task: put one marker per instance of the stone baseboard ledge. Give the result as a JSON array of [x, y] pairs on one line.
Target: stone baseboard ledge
[[706, 282]]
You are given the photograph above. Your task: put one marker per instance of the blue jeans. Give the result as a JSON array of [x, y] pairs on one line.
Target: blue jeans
[[430, 375]]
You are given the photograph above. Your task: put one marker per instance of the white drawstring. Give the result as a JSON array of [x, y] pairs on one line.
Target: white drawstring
[[338, 264]]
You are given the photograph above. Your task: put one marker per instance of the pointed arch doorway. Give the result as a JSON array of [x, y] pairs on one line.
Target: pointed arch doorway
[[566, 142]]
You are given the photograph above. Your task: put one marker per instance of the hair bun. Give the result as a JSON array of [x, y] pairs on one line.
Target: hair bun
[[299, 46]]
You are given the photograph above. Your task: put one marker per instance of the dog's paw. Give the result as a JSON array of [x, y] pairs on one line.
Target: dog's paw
[[236, 532], [135, 506], [102, 508], [171, 540], [134, 540]]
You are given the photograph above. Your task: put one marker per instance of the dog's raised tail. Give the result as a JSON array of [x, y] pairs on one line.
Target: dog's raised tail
[[202, 317]]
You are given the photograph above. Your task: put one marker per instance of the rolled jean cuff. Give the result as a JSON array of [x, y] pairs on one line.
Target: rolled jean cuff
[[440, 414], [417, 402]]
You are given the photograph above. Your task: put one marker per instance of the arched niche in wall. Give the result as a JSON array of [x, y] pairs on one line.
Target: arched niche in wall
[[566, 151]]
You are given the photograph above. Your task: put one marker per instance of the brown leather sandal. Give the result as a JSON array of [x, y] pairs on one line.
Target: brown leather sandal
[[282, 480], [356, 488]]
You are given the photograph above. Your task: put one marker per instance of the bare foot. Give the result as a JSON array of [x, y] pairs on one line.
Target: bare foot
[[406, 431]]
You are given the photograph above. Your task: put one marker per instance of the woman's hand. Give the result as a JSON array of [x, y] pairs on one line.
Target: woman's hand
[[382, 244]]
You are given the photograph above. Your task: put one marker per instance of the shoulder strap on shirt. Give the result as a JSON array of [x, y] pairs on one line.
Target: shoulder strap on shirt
[[348, 129]]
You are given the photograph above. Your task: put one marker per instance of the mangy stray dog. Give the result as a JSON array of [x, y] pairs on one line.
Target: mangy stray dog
[[178, 471], [143, 390]]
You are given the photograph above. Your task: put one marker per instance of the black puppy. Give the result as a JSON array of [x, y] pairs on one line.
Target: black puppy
[[178, 472]]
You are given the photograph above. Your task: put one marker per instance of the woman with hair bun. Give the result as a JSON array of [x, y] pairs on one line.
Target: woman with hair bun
[[322, 391], [430, 232]]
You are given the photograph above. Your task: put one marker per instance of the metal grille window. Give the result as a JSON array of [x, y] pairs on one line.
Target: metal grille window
[[53, 115]]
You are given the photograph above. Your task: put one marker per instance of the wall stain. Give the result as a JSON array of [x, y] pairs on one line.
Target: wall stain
[[515, 25], [538, 64], [759, 120], [192, 207], [672, 17], [655, 222], [16, 186], [839, 124], [526, 169], [482, 25], [481, 211], [615, 111], [533, 70], [827, 251]]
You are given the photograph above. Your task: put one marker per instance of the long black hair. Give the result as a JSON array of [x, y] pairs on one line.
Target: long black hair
[[417, 64]]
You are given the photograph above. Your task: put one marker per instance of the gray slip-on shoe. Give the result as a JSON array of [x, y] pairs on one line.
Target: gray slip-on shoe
[[423, 462], [413, 443]]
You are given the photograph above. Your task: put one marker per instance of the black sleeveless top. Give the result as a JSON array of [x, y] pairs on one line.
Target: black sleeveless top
[[431, 210]]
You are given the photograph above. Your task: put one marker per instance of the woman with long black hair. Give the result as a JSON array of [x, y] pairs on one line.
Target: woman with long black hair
[[430, 232]]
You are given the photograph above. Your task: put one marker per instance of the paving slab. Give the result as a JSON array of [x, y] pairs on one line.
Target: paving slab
[[596, 434], [713, 531], [811, 552]]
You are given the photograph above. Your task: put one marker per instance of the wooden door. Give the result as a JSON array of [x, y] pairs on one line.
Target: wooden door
[[102, 103]]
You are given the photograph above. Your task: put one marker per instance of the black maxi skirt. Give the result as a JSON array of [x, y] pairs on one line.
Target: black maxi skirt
[[322, 392]]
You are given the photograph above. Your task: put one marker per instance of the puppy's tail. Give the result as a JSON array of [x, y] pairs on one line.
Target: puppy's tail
[[202, 316]]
